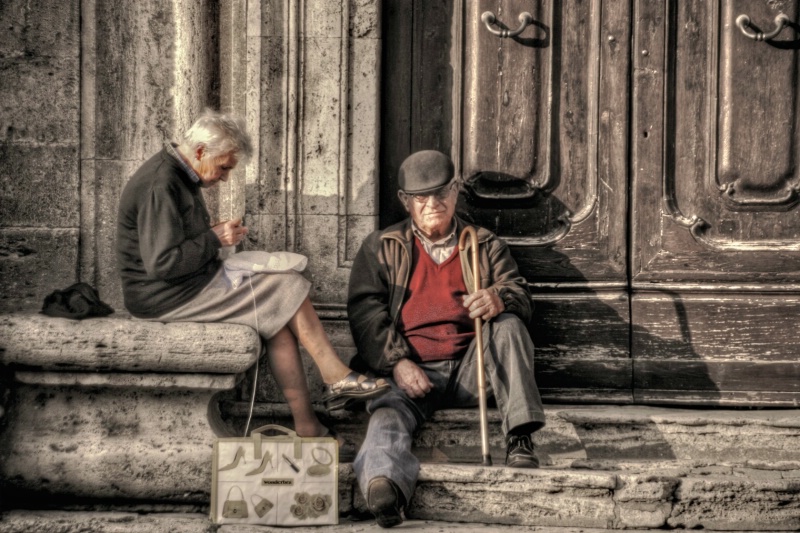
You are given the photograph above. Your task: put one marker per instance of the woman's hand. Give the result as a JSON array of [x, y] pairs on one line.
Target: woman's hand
[[230, 233], [411, 378], [485, 304]]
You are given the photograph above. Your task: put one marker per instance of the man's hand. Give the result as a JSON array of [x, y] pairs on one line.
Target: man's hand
[[230, 233], [485, 304], [411, 378]]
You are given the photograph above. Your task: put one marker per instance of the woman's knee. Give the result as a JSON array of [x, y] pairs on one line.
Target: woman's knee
[[283, 336]]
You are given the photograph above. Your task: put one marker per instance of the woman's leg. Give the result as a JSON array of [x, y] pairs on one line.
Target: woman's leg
[[307, 328], [287, 368], [343, 386]]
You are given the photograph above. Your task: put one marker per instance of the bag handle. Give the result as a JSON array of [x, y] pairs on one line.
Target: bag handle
[[257, 436], [276, 427], [231, 490]]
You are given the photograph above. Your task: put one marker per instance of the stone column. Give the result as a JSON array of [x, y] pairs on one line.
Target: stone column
[[313, 86], [148, 68], [226, 201], [311, 91]]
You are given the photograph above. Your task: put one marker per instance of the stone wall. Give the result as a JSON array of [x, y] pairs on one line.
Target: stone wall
[[39, 149], [149, 67]]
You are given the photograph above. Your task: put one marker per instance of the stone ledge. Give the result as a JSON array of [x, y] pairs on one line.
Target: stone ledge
[[111, 443], [116, 409], [126, 345], [210, 382]]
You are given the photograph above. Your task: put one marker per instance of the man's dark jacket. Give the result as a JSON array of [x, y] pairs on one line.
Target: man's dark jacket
[[379, 279]]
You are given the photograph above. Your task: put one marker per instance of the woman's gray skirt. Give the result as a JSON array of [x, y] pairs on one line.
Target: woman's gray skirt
[[265, 302]]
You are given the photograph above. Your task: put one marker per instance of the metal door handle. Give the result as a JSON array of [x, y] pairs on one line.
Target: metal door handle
[[488, 18], [743, 21]]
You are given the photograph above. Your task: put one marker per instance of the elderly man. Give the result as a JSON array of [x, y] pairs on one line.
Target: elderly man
[[412, 319], [168, 258]]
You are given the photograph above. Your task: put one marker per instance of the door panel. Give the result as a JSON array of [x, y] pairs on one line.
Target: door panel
[[535, 168], [715, 347], [507, 90], [757, 137], [716, 255], [582, 346], [717, 128], [416, 89]]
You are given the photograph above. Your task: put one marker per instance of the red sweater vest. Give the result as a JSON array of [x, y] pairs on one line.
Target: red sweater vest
[[433, 319]]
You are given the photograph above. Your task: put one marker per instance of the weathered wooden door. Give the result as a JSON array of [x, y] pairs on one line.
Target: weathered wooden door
[[716, 233], [639, 157]]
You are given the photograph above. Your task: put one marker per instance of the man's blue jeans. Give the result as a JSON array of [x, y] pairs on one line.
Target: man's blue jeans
[[508, 353]]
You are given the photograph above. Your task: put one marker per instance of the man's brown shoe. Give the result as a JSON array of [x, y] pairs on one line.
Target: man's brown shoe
[[385, 501]]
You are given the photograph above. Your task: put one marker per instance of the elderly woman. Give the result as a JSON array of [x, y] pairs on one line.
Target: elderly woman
[[168, 257]]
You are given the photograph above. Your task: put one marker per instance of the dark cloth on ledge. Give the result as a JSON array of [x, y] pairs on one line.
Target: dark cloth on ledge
[[78, 301]]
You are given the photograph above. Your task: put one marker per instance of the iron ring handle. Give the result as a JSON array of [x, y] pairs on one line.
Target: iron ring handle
[[743, 22], [488, 19]]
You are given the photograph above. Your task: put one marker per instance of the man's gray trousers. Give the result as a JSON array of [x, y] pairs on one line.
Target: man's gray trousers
[[508, 354]]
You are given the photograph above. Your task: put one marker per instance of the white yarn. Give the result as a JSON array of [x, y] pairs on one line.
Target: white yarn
[[244, 264]]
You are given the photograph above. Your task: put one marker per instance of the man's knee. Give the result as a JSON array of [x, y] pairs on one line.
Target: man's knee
[[509, 339], [508, 326], [393, 409]]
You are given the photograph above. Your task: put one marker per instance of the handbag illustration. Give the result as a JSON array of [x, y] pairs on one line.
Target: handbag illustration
[[234, 508], [275, 477], [261, 507]]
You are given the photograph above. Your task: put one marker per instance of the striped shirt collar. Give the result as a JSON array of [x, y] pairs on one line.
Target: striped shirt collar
[[438, 250], [172, 149]]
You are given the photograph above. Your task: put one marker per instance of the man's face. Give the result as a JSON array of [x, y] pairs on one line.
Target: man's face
[[432, 212], [212, 170]]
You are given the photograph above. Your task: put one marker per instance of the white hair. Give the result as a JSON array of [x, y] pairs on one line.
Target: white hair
[[219, 134]]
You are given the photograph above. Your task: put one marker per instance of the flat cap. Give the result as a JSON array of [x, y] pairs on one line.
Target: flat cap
[[425, 171]]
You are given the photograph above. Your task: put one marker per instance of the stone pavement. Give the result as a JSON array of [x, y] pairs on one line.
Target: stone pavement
[[89, 522]]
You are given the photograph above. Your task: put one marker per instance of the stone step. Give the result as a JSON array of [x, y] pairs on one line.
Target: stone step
[[642, 495], [604, 468], [130, 522], [576, 434], [629, 496]]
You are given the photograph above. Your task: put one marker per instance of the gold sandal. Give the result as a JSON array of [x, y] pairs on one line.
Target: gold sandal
[[354, 387]]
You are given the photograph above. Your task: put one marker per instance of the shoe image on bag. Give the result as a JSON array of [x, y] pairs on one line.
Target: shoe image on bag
[[385, 501], [519, 452]]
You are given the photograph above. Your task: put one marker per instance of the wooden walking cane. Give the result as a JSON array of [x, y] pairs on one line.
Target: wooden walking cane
[[476, 285]]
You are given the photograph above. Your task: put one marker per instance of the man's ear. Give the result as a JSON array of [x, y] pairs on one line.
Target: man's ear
[[403, 201], [198, 154]]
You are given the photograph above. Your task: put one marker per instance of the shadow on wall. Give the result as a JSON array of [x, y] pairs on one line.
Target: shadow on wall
[[588, 347]]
